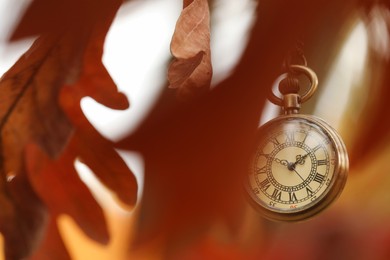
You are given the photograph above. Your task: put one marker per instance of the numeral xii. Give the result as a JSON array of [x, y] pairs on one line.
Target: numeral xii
[[289, 137]]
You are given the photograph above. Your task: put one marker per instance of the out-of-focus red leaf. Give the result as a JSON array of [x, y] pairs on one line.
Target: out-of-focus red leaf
[[197, 153], [95, 151], [52, 246], [29, 112], [48, 17], [338, 235], [23, 217], [191, 70], [211, 248], [70, 44], [91, 148], [28, 102], [67, 193]]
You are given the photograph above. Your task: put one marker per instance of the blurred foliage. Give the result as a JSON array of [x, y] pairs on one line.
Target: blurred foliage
[[196, 152]]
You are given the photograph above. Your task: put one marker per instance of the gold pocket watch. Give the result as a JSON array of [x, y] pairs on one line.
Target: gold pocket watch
[[300, 162]]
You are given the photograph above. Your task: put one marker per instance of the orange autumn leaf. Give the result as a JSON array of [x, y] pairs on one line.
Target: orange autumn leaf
[[191, 71], [52, 244], [31, 116], [61, 176], [28, 94], [87, 145]]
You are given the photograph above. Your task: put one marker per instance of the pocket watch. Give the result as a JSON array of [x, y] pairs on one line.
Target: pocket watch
[[300, 162]]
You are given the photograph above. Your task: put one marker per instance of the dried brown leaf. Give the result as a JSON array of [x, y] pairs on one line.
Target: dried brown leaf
[[191, 71]]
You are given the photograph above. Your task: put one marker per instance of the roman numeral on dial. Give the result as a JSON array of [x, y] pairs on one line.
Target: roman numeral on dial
[[274, 141], [292, 196], [319, 178], [289, 137], [304, 139], [277, 194], [261, 170], [321, 162], [309, 192], [266, 155], [265, 184], [316, 148]]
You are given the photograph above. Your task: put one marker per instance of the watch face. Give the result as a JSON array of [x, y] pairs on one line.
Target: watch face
[[298, 169]]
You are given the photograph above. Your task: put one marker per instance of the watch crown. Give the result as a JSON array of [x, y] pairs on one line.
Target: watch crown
[[289, 87]]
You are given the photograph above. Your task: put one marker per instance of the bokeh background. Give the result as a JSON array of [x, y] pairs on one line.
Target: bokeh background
[[350, 51]]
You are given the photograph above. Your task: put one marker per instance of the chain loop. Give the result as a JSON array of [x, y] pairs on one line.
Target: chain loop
[[310, 74]]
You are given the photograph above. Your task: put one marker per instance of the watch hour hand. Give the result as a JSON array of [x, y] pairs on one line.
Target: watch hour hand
[[282, 162]]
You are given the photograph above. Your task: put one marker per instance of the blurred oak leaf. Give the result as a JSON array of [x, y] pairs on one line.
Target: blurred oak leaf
[[52, 246], [30, 112], [191, 71], [67, 53]]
